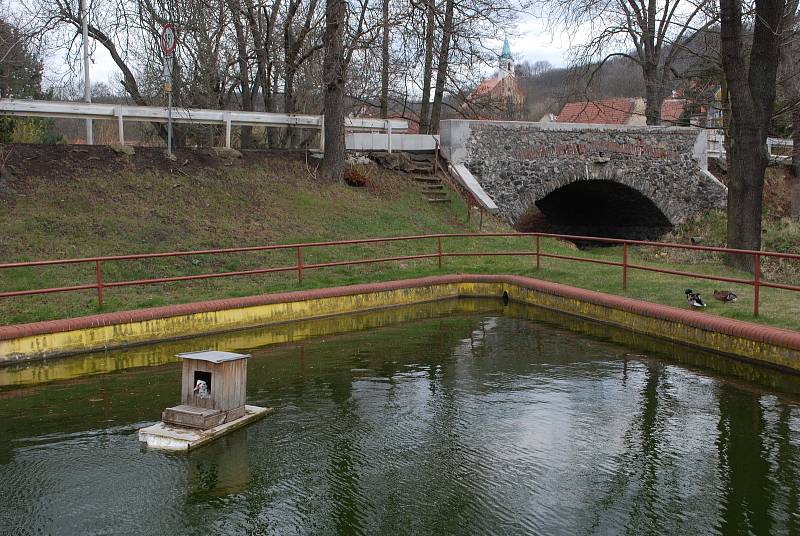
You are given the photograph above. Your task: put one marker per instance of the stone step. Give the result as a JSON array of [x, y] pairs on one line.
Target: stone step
[[432, 187], [427, 179], [422, 157], [436, 194], [439, 200]]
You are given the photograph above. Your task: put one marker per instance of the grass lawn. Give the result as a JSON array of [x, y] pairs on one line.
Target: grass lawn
[[133, 206]]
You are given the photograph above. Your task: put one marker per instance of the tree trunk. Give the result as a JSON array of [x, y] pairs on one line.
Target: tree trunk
[[385, 62], [654, 95], [244, 68], [442, 67], [262, 47], [795, 170], [333, 68], [751, 90], [746, 166], [273, 133], [427, 74], [289, 102]]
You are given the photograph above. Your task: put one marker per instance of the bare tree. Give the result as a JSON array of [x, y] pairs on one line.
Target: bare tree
[[651, 33], [236, 53], [385, 59], [790, 59], [427, 71], [750, 77]]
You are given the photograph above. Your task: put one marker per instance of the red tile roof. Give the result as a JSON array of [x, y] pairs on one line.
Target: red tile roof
[[616, 111], [606, 112], [485, 87]]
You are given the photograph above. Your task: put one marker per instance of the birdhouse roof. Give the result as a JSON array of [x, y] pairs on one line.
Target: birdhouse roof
[[214, 356]]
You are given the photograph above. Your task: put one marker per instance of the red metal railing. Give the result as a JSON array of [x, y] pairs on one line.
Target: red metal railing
[[99, 285]]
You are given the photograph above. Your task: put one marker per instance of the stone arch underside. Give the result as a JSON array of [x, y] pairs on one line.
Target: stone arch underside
[[597, 208]]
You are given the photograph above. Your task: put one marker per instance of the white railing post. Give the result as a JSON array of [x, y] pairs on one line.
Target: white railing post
[[120, 126], [228, 130], [389, 135], [322, 133]]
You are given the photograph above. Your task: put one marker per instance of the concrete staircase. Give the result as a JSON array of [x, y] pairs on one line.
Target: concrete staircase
[[432, 188]]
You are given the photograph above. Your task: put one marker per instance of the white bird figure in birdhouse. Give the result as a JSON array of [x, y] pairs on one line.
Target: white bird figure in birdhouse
[[201, 388]]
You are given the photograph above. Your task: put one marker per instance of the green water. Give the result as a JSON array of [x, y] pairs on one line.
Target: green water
[[487, 420]]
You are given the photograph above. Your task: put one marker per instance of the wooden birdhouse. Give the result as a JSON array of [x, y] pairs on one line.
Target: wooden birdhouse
[[213, 389]]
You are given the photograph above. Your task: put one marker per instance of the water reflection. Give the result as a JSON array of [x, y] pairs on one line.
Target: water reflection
[[743, 467], [465, 424], [221, 468]]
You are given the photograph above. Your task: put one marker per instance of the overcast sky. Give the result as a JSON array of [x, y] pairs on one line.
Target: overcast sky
[[535, 43]]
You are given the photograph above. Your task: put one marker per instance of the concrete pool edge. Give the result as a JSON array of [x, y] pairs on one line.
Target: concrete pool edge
[[753, 342]]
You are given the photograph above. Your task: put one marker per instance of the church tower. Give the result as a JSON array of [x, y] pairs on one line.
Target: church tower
[[506, 61]]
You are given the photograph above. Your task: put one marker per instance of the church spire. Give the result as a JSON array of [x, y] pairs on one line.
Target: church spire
[[506, 60], [506, 50]]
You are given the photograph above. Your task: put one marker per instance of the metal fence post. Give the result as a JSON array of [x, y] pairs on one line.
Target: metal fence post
[[299, 266], [624, 266], [99, 271], [756, 283], [538, 253], [439, 240]]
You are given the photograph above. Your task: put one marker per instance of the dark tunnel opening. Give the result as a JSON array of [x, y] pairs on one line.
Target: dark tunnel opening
[[596, 208]]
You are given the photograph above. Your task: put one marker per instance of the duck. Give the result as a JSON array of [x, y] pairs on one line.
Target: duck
[[694, 298], [725, 295], [201, 388]]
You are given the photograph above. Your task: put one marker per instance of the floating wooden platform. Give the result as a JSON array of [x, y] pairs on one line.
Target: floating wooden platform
[[170, 437]]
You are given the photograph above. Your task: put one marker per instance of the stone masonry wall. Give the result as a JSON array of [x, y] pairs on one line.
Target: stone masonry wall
[[521, 163]]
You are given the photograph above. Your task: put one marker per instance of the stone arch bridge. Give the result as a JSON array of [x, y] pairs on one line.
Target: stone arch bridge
[[606, 180]]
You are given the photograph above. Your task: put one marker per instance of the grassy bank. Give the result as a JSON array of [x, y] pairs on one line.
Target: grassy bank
[[76, 202]]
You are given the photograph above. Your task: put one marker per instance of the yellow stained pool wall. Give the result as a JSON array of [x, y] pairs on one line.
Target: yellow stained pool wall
[[658, 321], [195, 324], [679, 332]]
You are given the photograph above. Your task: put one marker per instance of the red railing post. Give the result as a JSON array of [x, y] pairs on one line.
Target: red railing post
[[538, 252], [439, 240], [299, 266], [624, 266], [756, 283], [99, 271]]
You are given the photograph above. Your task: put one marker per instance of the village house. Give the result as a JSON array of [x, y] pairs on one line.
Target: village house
[[620, 111]]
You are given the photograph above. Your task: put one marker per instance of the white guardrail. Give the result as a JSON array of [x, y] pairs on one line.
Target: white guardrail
[[228, 118], [716, 147]]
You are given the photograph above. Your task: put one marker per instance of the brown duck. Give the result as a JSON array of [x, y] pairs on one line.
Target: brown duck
[[725, 295]]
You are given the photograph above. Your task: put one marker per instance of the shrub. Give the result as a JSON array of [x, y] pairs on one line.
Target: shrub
[[34, 130], [355, 177], [6, 129]]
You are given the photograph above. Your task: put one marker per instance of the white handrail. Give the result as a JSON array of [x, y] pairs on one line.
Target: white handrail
[[716, 146], [156, 114]]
